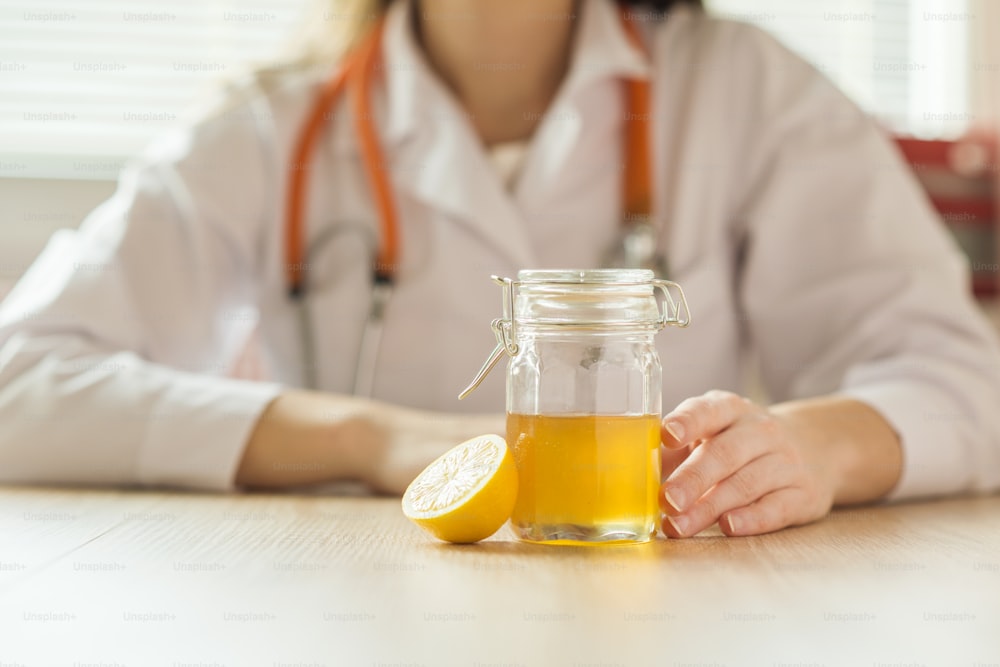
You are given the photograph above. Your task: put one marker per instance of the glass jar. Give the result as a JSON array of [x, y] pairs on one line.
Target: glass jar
[[583, 400]]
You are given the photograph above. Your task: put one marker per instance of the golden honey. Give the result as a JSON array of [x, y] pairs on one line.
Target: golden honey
[[585, 478]]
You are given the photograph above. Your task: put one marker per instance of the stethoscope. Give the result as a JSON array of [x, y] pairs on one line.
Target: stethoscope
[[636, 247]]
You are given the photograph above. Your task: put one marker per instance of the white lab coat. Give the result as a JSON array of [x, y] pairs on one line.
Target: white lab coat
[[794, 228]]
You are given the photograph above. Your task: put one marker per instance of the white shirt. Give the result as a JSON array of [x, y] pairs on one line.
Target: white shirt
[[797, 233], [508, 158]]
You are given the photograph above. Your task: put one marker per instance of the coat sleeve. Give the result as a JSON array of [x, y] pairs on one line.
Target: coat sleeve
[[851, 284], [114, 344]]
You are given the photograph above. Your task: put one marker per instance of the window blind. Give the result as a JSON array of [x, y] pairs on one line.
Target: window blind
[[904, 61], [85, 84]]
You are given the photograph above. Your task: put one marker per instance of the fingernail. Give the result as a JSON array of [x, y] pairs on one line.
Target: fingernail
[[675, 429], [676, 499], [680, 523], [734, 523]]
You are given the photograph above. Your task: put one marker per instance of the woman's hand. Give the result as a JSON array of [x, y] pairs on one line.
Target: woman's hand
[[410, 439], [755, 470], [305, 438]]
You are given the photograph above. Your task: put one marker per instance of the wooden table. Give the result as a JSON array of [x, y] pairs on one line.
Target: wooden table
[[134, 578]]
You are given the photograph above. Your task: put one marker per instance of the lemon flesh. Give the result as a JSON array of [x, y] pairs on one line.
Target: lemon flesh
[[467, 493]]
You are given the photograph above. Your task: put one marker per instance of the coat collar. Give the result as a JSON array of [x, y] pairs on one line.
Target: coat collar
[[601, 49], [434, 152]]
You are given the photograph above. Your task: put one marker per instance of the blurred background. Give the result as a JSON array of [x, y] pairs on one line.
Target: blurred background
[[86, 84]]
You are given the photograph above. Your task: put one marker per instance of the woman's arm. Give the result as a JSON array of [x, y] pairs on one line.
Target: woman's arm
[[858, 308], [309, 437], [114, 345]]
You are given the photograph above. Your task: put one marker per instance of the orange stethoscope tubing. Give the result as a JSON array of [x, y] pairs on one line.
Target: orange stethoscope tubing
[[354, 75], [354, 78], [637, 177]]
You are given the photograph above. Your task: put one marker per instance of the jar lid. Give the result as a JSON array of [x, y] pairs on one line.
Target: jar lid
[[581, 276], [587, 298]]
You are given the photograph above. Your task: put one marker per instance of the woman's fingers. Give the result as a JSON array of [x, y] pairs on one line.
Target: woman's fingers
[[790, 506], [670, 459], [667, 437], [716, 460], [702, 417], [730, 461], [742, 488]]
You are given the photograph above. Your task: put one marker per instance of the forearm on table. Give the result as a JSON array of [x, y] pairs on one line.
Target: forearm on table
[[849, 442], [307, 438]]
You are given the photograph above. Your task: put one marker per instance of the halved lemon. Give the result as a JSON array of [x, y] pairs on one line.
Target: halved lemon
[[467, 493]]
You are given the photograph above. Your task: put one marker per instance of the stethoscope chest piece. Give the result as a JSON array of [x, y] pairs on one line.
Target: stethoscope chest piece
[[637, 248]]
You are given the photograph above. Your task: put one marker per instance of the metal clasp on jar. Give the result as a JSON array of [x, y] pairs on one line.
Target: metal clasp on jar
[[672, 310], [503, 329], [674, 313]]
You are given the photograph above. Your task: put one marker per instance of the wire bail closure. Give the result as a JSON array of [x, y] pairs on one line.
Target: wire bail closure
[[674, 313], [503, 329]]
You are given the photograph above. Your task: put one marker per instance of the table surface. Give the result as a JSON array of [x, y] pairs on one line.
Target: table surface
[[140, 578]]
